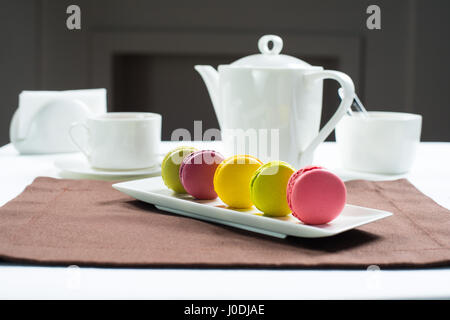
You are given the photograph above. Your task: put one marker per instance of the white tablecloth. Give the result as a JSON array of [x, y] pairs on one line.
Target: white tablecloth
[[430, 174]]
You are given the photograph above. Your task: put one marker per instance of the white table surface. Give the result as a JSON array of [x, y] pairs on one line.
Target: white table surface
[[430, 174]]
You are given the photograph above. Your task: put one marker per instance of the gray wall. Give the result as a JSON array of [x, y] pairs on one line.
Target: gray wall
[[403, 67], [20, 39]]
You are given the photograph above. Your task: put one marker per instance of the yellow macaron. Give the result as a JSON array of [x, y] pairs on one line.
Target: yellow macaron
[[268, 188], [232, 180]]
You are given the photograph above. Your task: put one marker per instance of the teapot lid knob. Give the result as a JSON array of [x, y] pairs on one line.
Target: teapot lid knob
[[277, 44]]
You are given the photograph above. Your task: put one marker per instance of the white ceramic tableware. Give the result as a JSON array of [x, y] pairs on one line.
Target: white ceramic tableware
[[382, 142], [41, 122], [82, 167], [48, 130], [119, 140], [153, 190], [277, 94]]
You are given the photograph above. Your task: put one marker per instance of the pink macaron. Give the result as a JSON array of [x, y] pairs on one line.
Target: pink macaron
[[197, 173], [315, 195]]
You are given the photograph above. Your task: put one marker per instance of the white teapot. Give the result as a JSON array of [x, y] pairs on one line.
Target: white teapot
[[276, 95]]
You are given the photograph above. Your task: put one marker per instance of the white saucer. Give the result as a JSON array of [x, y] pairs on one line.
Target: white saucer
[[82, 167]]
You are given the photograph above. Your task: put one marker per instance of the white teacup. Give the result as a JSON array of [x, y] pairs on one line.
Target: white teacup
[[119, 140], [382, 142]]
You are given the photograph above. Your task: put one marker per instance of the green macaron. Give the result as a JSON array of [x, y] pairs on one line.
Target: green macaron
[[268, 188], [170, 168]]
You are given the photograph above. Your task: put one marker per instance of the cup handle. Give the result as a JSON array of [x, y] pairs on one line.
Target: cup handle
[[74, 138], [346, 83]]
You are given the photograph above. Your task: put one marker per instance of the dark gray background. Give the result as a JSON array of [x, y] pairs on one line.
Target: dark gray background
[[143, 52]]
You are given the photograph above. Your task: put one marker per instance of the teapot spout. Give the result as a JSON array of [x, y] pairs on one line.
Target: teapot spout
[[211, 78]]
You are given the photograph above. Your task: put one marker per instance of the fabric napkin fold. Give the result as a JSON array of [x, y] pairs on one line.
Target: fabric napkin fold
[[87, 222], [31, 102]]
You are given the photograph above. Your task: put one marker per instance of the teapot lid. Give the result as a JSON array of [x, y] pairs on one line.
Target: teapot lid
[[270, 57]]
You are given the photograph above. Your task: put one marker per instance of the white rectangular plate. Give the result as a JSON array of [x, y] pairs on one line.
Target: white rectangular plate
[[153, 190]]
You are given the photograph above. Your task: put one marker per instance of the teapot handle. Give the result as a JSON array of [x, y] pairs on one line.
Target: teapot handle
[[311, 78]]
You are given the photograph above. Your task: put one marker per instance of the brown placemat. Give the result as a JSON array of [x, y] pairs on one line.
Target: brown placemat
[[87, 222]]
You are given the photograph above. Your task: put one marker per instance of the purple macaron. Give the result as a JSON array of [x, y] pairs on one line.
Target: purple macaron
[[197, 173]]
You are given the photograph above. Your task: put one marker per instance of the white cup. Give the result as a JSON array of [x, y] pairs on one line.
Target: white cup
[[119, 140], [382, 142]]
